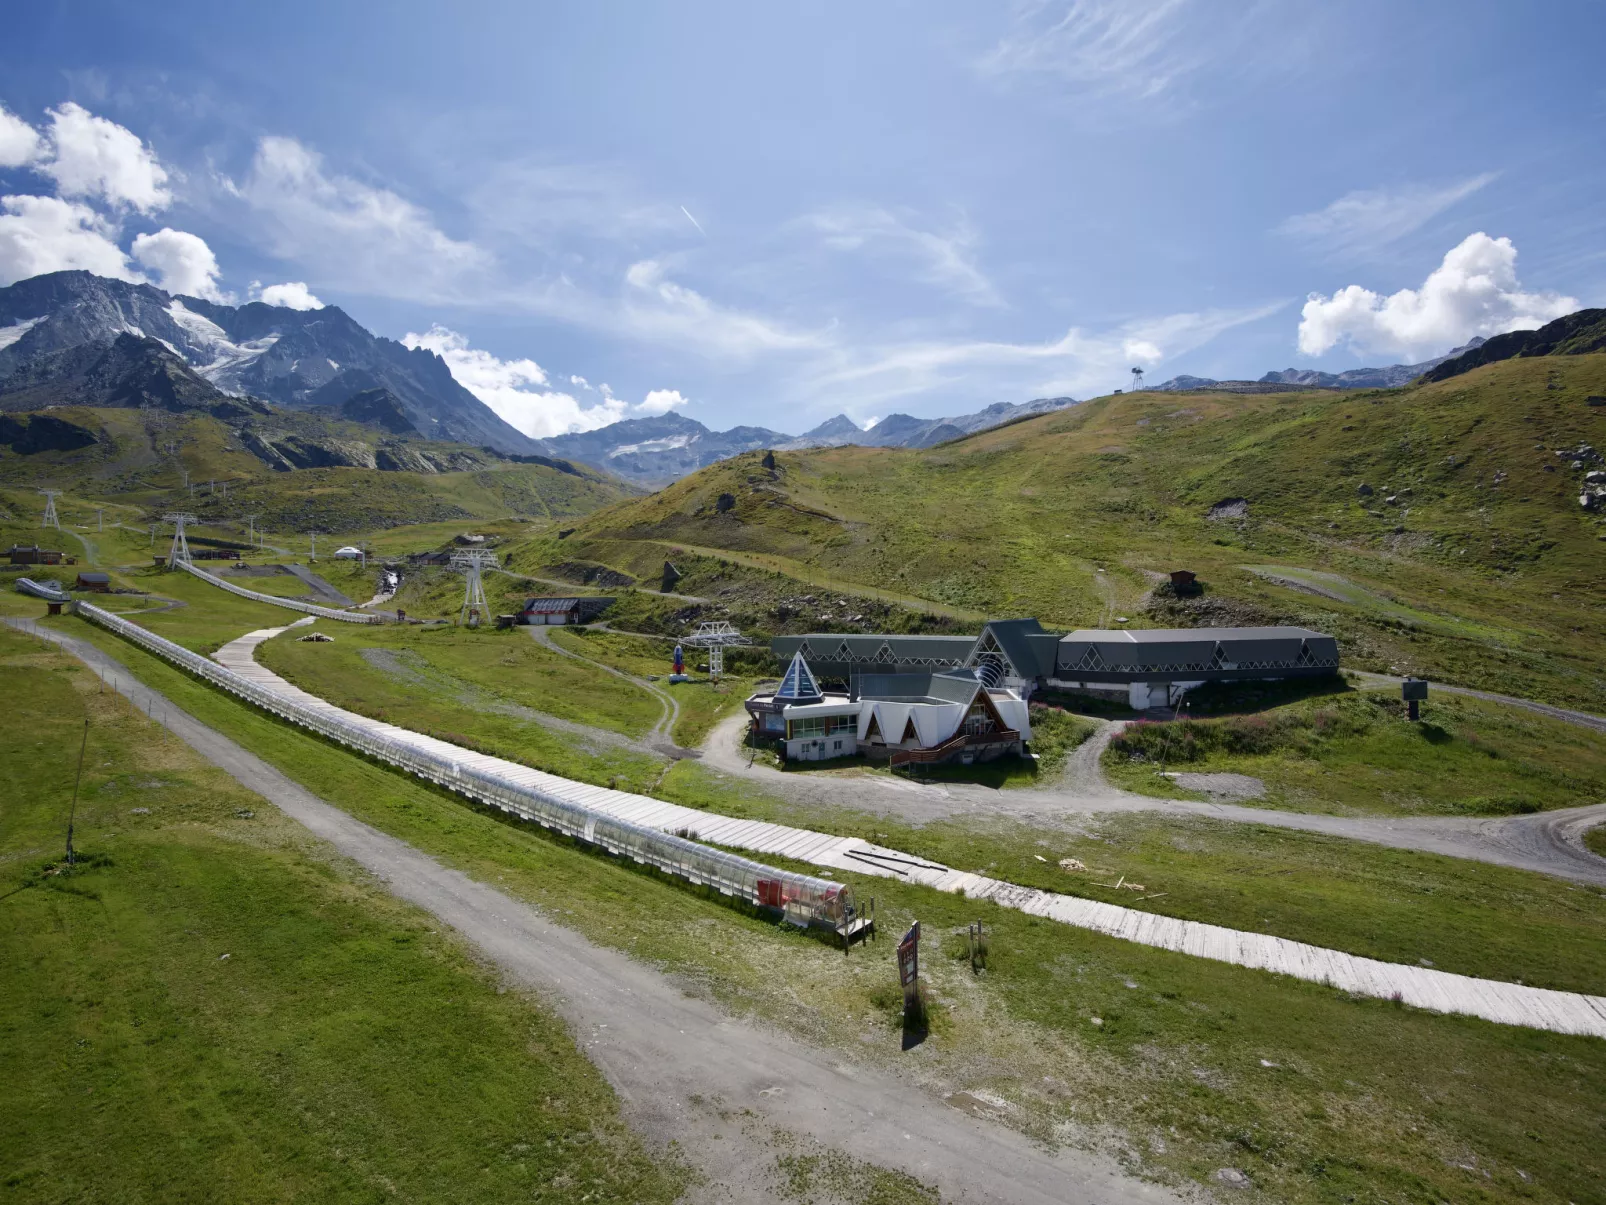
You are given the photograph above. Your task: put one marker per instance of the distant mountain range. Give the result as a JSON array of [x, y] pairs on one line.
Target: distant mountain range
[[1355, 378], [656, 451], [71, 330]]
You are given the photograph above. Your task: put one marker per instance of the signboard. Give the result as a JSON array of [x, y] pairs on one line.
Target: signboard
[[1414, 690], [909, 963]]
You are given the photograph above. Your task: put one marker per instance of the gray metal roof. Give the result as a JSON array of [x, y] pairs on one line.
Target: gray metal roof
[[853, 648], [946, 686], [1143, 635], [1014, 638]]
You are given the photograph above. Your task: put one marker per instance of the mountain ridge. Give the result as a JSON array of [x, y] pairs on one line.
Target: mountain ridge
[[294, 358]]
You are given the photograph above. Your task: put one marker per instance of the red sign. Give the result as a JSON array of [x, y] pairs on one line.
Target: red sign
[[909, 957]]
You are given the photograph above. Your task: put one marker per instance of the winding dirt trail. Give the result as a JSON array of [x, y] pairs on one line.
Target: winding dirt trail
[[661, 736], [686, 1072]]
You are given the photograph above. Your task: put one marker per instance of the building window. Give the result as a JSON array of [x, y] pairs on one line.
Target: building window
[[978, 721]]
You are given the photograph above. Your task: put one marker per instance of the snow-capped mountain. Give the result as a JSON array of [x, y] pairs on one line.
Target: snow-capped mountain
[[656, 451], [296, 358]]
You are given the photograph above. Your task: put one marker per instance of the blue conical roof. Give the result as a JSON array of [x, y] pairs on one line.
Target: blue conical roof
[[799, 686]]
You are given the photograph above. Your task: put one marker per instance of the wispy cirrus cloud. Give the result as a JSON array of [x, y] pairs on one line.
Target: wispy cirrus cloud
[[1367, 221], [1133, 47], [945, 258], [1080, 362], [367, 238]]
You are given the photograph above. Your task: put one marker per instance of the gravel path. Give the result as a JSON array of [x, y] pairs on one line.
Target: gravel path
[[1548, 842], [686, 1072], [1582, 719]]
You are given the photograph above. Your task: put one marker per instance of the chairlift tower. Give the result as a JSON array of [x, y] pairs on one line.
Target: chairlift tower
[[716, 637], [473, 566], [1137, 379], [100, 518], [181, 546], [50, 519], [251, 532]]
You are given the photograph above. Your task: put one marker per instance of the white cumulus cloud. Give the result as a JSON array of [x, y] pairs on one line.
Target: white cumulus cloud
[[522, 394], [183, 263], [19, 141], [47, 234], [661, 401], [92, 157], [1475, 291], [517, 390], [292, 294]]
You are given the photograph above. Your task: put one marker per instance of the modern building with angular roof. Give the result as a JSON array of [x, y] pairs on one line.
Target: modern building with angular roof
[[918, 716]]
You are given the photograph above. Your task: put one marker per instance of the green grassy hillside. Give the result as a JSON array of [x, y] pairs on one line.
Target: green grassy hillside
[[1467, 558], [141, 458]]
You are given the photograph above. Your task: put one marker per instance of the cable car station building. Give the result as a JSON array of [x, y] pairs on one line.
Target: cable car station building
[[920, 697]]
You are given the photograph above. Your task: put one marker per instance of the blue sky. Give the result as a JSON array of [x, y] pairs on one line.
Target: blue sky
[[766, 214]]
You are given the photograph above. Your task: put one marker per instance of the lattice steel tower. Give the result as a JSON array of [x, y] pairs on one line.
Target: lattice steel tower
[[716, 637], [180, 554], [473, 565], [50, 519]]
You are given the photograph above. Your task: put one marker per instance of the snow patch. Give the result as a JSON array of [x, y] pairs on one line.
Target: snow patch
[[652, 445], [208, 339], [10, 334]]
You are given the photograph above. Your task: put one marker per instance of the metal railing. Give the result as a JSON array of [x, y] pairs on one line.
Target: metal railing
[[294, 604], [821, 900]]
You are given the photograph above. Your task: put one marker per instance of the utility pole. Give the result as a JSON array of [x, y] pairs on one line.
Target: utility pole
[[72, 813]]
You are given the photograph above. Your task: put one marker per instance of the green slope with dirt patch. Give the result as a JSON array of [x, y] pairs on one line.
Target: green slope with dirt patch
[[1450, 512]]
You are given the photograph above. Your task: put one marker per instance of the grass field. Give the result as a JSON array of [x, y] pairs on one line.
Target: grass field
[[213, 1007], [1356, 752], [1192, 1066], [702, 703], [476, 688]]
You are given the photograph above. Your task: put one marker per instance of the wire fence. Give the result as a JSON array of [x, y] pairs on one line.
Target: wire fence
[[294, 604], [802, 897]]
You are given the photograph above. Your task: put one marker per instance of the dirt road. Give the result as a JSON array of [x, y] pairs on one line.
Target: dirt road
[[1548, 842], [686, 1072]]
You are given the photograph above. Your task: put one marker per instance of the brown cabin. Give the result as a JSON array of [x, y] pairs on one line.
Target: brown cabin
[[100, 583]]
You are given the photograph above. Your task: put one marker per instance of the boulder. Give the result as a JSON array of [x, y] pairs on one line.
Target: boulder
[[1364, 490]]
